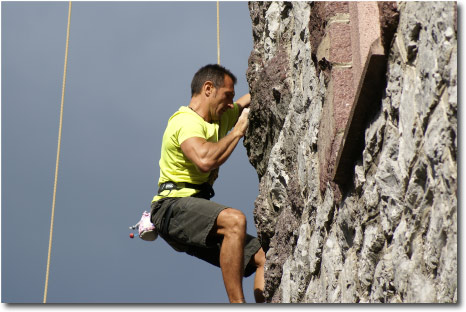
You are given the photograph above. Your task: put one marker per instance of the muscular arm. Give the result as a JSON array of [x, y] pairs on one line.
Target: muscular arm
[[207, 155]]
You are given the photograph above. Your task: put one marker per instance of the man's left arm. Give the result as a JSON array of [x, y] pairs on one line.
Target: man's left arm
[[244, 102]]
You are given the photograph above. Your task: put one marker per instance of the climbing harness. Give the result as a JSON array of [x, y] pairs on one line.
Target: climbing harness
[[58, 154], [206, 190]]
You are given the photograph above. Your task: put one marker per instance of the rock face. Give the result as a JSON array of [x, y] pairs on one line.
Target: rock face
[[391, 234]]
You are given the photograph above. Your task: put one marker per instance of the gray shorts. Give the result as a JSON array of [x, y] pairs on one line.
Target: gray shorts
[[188, 226]]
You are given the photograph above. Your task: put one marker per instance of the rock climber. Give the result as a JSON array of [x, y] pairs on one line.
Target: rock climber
[[196, 142]]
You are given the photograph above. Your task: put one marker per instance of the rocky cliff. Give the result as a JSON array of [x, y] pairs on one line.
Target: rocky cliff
[[386, 229]]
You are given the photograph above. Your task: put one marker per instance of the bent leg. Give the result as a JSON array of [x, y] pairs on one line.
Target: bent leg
[[231, 224]]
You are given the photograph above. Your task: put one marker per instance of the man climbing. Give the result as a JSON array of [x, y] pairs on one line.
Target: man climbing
[[195, 143]]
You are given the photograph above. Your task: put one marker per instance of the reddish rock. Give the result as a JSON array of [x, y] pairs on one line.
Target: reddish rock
[[342, 96], [340, 43], [335, 7]]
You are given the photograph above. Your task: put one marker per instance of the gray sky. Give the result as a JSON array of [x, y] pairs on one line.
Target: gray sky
[[129, 68]]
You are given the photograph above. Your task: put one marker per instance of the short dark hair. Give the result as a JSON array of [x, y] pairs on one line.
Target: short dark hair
[[212, 72]]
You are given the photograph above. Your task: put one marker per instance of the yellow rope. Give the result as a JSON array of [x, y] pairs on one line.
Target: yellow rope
[[58, 153], [218, 33]]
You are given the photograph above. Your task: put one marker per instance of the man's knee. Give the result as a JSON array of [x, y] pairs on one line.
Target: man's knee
[[259, 258], [238, 218], [232, 221]]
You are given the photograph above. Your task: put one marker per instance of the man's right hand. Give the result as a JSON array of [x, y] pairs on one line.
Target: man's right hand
[[243, 122]]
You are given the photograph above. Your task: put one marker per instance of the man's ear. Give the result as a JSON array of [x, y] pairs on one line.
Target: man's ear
[[208, 87]]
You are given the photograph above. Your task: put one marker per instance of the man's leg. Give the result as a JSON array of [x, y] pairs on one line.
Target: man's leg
[[231, 224], [259, 262]]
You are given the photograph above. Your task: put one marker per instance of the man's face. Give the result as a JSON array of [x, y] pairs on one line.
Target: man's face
[[222, 99]]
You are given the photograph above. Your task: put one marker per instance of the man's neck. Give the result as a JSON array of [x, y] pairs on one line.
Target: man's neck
[[200, 107]]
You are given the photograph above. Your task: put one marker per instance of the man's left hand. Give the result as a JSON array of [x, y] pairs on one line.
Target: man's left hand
[[244, 101]]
